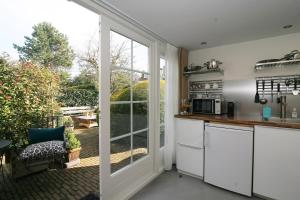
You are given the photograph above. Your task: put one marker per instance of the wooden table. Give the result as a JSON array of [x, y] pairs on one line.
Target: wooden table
[[4, 147], [87, 121]]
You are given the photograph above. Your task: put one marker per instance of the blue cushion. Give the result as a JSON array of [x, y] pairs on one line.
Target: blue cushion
[[37, 135]]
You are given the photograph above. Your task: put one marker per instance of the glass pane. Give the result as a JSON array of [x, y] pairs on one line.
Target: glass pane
[[120, 153], [140, 116], [120, 85], [162, 69], [140, 145], [140, 87], [162, 84], [162, 135], [140, 57], [162, 112], [120, 50], [119, 119]]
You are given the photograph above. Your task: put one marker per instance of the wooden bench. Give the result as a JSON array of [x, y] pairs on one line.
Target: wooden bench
[[75, 111]]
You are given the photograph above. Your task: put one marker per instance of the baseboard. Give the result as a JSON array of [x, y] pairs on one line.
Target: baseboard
[[262, 196], [189, 174]]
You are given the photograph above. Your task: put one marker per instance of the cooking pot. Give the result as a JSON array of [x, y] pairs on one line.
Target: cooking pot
[[213, 64]]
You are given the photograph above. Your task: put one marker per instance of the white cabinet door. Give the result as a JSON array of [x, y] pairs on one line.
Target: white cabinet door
[[189, 147], [277, 163], [190, 160], [190, 132], [228, 157]]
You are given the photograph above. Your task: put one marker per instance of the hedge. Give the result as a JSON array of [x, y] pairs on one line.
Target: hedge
[[71, 97]]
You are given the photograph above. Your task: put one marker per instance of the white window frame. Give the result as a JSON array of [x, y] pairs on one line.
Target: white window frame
[[131, 102]]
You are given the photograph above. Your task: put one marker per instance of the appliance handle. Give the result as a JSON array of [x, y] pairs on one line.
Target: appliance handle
[[190, 146], [232, 129]]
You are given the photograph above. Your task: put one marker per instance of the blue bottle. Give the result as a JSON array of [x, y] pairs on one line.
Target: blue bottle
[[267, 112]]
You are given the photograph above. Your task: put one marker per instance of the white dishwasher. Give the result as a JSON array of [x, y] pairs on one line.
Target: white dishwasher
[[228, 157]]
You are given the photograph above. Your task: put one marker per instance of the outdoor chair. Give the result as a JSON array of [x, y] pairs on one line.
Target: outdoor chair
[[46, 146]]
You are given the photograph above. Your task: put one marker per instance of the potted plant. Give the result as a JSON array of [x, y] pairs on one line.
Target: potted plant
[[73, 147], [68, 123]]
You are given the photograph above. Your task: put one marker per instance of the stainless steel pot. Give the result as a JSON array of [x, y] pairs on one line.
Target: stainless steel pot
[[213, 64]]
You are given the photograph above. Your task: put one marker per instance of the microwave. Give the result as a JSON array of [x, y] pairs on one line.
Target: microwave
[[207, 106]]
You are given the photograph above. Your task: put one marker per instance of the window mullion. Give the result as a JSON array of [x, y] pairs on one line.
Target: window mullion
[[131, 102]]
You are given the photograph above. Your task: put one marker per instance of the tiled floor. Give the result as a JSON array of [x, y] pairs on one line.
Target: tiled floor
[[168, 186], [63, 184]]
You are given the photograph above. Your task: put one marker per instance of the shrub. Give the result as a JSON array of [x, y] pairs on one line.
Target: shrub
[[73, 142], [71, 97], [27, 94], [139, 93], [68, 121]]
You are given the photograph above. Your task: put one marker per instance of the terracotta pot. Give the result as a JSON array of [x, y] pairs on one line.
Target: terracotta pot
[[73, 154]]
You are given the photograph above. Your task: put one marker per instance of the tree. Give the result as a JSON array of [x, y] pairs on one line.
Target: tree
[[47, 47], [89, 63]]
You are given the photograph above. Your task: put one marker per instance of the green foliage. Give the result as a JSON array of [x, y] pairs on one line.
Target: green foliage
[[80, 91], [83, 81], [27, 93], [162, 86], [72, 97], [72, 141], [68, 121], [139, 93], [120, 80], [47, 47]]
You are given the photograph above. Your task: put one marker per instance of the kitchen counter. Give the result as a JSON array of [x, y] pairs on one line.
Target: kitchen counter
[[245, 120]]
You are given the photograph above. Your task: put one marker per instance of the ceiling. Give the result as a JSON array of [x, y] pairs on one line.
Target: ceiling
[[188, 23]]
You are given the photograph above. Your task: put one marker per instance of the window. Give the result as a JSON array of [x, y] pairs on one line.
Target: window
[[162, 100], [129, 101]]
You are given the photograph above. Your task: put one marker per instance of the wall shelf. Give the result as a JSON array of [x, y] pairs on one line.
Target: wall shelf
[[268, 65], [199, 88], [218, 70]]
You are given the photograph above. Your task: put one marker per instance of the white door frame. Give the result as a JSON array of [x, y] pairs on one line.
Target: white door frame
[[127, 181], [109, 14]]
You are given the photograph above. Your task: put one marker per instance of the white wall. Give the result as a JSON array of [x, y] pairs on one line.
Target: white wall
[[239, 59]]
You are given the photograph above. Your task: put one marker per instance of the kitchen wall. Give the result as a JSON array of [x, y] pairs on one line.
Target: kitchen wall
[[239, 74]]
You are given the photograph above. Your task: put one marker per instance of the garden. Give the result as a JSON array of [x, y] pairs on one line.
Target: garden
[[35, 87]]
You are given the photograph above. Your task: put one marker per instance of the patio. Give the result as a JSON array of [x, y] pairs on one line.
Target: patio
[[73, 183]]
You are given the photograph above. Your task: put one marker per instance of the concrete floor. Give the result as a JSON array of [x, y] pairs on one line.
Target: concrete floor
[[168, 186]]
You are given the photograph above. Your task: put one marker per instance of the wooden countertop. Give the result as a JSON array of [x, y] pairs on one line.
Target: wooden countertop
[[244, 120]]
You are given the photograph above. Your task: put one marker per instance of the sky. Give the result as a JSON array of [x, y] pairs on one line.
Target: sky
[[18, 16]]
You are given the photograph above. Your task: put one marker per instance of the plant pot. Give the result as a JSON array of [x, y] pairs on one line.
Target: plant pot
[[73, 154]]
